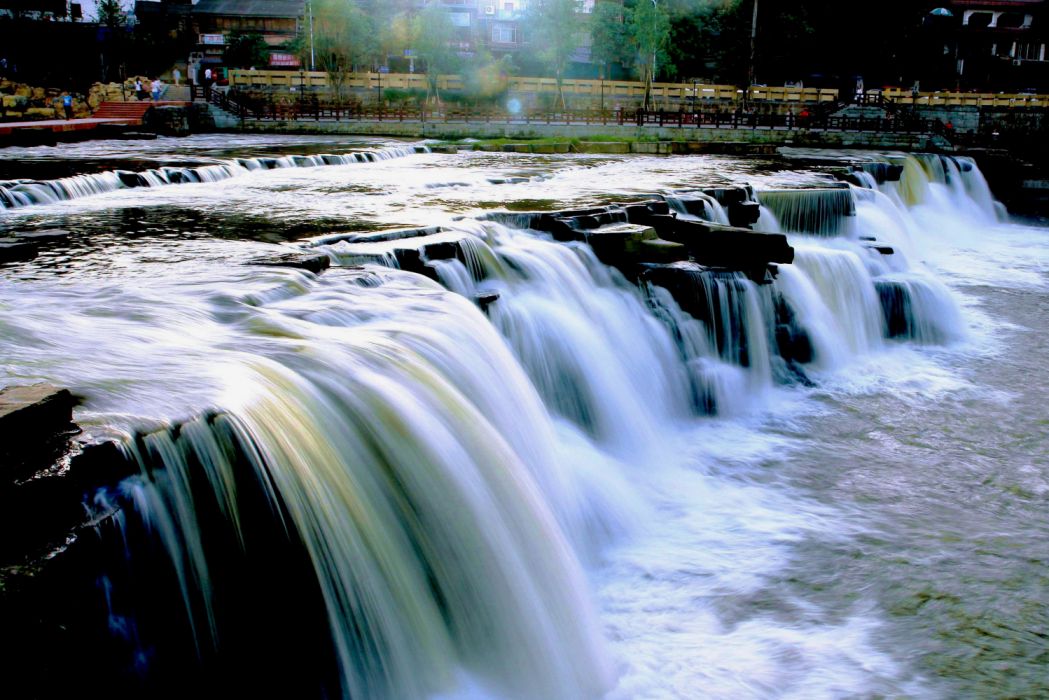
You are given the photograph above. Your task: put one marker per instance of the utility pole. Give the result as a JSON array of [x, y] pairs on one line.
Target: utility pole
[[313, 65], [753, 44]]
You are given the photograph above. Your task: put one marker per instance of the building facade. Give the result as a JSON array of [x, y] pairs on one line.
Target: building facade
[[990, 44]]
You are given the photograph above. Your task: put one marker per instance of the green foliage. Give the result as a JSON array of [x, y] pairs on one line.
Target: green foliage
[[247, 50], [485, 78], [648, 27], [111, 14], [433, 38], [608, 33], [555, 30], [344, 40]]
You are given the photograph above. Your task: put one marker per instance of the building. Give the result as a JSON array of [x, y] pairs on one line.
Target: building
[[278, 22], [989, 44]]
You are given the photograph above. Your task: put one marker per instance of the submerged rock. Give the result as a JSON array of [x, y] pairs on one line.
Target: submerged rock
[[314, 262]]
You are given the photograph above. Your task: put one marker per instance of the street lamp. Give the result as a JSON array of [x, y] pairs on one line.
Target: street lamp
[[753, 43]]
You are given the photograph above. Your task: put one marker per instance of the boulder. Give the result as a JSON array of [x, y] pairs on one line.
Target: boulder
[[40, 113], [35, 421], [727, 247]]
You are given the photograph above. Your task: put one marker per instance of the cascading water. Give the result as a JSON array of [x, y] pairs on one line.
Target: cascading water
[[415, 466], [404, 495], [23, 193]]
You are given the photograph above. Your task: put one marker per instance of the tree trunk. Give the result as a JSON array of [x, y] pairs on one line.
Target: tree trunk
[[561, 90]]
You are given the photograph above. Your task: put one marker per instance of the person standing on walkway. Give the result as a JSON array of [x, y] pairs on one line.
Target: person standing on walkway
[[177, 74], [207, 84], [67, 105], [156, 89]]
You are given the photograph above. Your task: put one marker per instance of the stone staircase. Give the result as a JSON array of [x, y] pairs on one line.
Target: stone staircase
[[130, 113]]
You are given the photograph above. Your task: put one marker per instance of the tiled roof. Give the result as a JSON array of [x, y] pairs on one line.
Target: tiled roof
[[251, 8]]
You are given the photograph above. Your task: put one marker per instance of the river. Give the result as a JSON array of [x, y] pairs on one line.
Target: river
[[525, 502]]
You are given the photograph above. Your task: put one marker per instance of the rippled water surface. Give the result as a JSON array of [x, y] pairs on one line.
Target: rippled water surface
[[884, 532]]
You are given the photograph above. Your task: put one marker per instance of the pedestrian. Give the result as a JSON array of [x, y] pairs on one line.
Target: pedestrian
[[67, 104], [177, 75], [155, 88], [140, 92], [948, 129], [790, 117], [803, 118], [207, 84]]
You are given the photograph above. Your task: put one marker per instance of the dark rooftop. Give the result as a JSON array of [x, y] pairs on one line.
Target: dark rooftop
[[251, 8]]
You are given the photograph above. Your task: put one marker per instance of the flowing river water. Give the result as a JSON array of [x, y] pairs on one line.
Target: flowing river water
[[424, 499]]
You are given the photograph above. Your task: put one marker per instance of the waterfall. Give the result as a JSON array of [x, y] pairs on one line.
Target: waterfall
[[15, 194], [416, 470], [398, 493], [698, 206], [819, 212]]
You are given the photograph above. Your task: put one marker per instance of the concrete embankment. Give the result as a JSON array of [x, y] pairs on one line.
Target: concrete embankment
[[813, 138]]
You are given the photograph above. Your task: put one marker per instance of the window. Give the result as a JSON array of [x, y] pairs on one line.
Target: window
[[1030, 51], [504, 34]]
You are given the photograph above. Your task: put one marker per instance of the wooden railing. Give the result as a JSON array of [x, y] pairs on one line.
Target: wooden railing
[[593, 88], [629, 89], [970, 99], [313, 109]]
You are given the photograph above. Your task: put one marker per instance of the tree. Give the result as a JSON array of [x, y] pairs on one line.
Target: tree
[[608, 40], [247, 51], [111, 14], [433, 38], [649, 29], [556, 25], [344, 38]]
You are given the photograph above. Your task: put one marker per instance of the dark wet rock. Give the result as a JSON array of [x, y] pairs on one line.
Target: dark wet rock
[[732, 248], [47, 235], [896, 306], [883, 249], [130, 179], [486, 299], [715, 297], [409, 252], [375, 236], [36, 423], [314, 262], [727, 196], [743, 214], [12, 250], [882, 172], [661, 251]]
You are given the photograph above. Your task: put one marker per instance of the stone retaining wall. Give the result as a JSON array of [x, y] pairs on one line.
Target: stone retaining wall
[[441, 130]]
